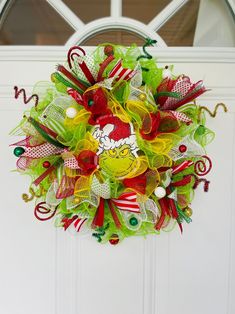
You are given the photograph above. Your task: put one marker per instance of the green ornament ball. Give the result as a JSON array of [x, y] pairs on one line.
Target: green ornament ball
[[133, 221], [18, 151], [90, 102]]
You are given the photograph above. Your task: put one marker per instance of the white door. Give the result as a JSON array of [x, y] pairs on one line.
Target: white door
[[45, 270]]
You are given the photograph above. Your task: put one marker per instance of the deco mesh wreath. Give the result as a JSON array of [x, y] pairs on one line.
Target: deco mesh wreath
[[115, 146]]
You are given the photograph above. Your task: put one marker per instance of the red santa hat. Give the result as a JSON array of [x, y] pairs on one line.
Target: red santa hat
[[111, 132]]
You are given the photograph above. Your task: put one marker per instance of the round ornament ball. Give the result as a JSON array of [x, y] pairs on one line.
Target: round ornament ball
[[18, 151], [160, 192], [188, 211], [108, 50], [133, 221], [183, 148], [46, 164], [71, 112], [114, 239], [166, 73], [142, 97]]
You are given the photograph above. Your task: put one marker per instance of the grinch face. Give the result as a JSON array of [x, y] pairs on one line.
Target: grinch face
[[117, 162]]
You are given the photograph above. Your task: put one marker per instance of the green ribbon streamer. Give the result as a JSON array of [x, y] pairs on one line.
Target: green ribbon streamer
[[167, 94], [183, 215], [44, 134], [62, 80]]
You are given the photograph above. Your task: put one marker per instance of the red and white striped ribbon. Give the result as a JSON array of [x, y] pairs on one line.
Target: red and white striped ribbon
[[185, 164], [120, 73], [78, 223], [73, 93], [74, 222], [127, 202]]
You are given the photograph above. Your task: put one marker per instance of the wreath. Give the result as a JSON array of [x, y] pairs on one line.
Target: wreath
[[114, 145]]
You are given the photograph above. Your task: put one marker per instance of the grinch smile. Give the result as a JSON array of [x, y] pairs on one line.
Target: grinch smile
[[117, 162]]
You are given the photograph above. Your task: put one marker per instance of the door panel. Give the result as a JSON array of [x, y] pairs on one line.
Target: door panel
[[44, 270]]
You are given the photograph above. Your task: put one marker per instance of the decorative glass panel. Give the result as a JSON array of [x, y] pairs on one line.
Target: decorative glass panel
[[197, 23], [31, 22], [143, 10], [89, 10], [200, 23]]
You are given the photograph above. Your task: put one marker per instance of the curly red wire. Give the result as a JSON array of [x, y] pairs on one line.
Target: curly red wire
[[201, 168], [71, 54], [26, 100], [198, 181], [40, 211]]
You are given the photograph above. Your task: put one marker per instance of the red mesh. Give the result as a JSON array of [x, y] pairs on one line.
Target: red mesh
[[66, 187], [23, 163], [182, 85]]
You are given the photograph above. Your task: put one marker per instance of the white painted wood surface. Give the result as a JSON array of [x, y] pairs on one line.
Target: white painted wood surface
[[44, 270]]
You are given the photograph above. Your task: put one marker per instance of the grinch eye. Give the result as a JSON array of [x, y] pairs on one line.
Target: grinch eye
[[112, 152], [124, 152]]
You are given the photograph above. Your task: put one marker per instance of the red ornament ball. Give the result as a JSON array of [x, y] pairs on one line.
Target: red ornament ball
[[108, 50], [114, 239], [183, 148], [46, 164]]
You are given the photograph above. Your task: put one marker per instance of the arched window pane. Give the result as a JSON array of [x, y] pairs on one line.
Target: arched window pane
[[197, 23], [217, 29], [32, 22], [200, 23], [143, 11], [180, 29], [89, 10]]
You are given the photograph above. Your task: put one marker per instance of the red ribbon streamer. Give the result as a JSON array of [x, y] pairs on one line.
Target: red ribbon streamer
[[173, 208], [87, 72], [165, 211], [114, 214], [103, 66], [98, 220], [186, 180]]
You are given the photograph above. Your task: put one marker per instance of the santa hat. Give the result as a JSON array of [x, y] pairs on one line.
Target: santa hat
[[111, 132]]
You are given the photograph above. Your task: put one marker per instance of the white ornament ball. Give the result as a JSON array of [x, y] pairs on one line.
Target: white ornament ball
[[160, 192], [71, 112], [166, 73]]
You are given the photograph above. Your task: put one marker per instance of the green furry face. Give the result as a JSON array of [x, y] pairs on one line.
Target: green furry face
[[117, 162]]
